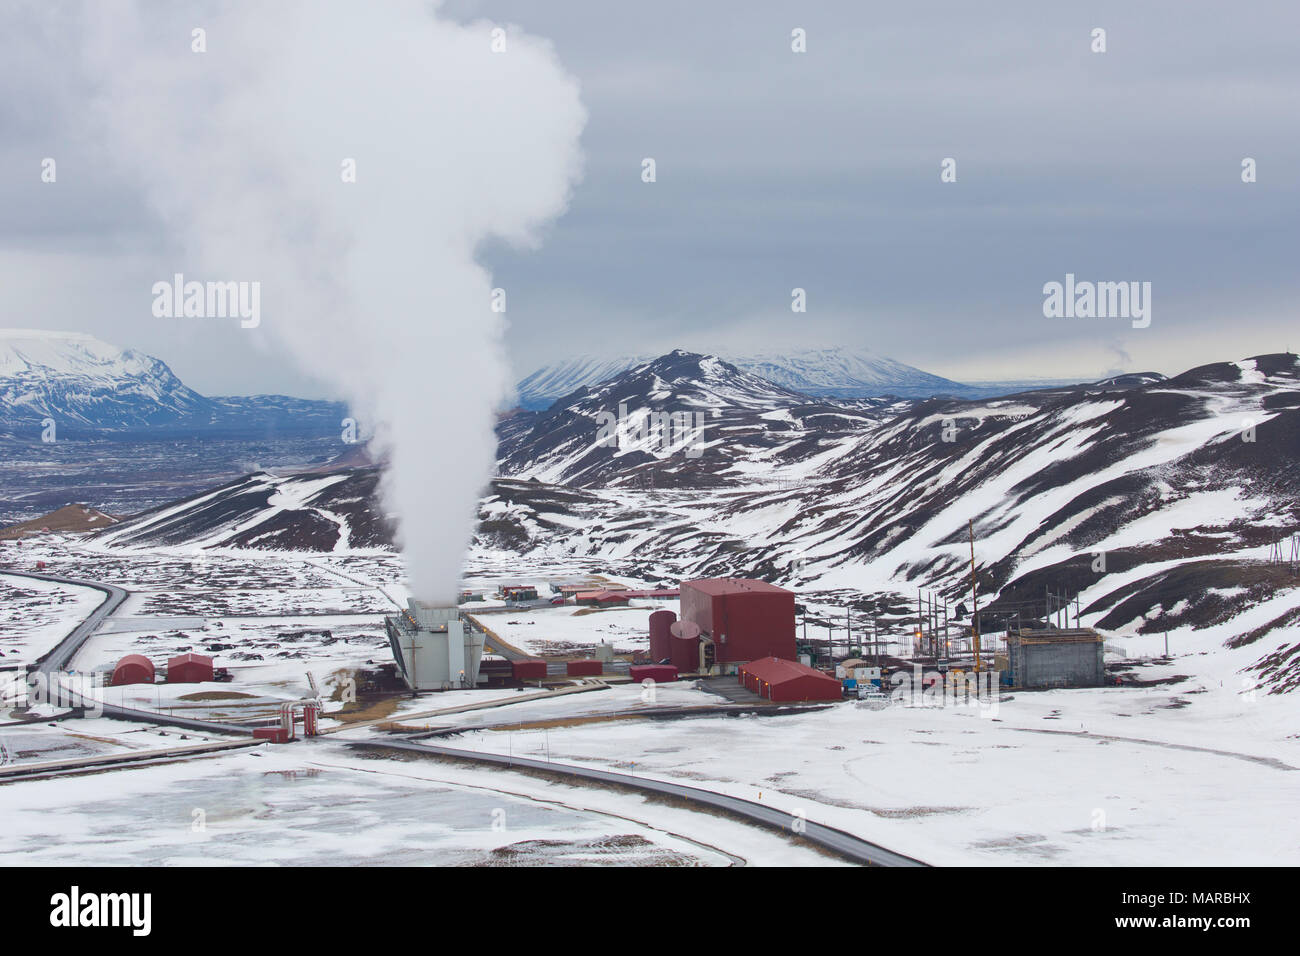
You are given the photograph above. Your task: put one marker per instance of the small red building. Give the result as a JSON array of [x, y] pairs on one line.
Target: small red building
[[659, 673], [601, 598], [743, 618], [189, 669], [133, 669], [788, 681], [584, 668], [530, 669]]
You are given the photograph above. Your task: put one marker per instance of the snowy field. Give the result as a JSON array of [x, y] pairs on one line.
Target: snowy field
[[326, 805], [1079, 777], [36, 615], [1177, 771]]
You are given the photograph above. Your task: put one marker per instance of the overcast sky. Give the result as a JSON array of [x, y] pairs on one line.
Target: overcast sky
[[777, 170]]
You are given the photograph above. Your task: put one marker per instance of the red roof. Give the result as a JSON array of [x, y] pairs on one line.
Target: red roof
[[133, 669], [774, 670], [601, 596], [717, 586], [787, 681]]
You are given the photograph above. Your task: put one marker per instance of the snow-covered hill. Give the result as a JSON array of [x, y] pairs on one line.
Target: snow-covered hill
[[86, 385], [718, 425], [828, 372], [846, 373], [309, 512], [1154, 503]]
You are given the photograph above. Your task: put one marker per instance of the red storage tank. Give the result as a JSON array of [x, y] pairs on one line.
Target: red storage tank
[[661, 647], [659, 673], [686, 654], [745, 619], [788, 681], [132, 669], [584, 668], [189, 669], [530, 669]]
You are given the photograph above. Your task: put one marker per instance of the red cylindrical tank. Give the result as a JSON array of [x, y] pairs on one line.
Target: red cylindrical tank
[[584, 668], [686, 654], [133, 669], [661, 648]]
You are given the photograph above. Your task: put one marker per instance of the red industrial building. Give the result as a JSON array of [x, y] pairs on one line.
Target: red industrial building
[[189, 669], [740, 619], [785, 681], [587, 668], [133, 669]]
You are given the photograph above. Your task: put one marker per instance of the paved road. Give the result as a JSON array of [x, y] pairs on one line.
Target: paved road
[[59, 658], [55, 662], [845, 844]]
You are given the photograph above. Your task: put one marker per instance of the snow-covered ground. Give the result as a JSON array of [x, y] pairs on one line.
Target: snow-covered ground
[[35, 615], [1180, 771], [1080, 777], [329, 807]]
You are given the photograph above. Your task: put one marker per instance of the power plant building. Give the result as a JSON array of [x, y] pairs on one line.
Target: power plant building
[[435, 647], [739, 620]]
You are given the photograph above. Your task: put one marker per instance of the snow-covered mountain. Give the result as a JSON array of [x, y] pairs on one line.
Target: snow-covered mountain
[[700, 404], [1155, 502], [86, 385], [78, 380], [566, 376], [846, 373], [826, 372]]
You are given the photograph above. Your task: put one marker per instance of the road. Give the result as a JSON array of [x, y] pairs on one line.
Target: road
[[845, 844], [57, 660], [55, 663]]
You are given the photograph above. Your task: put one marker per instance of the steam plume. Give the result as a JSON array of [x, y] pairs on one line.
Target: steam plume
[[372, 285]]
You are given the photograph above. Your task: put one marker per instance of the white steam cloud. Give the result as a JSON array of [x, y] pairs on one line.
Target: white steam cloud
[[372, 285]]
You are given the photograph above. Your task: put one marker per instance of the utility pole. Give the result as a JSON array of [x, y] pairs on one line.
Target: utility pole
[[975, 597], [947, 651], [920, 624]]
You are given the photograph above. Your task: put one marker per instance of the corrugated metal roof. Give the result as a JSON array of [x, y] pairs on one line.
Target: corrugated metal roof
[[774, 670], [717, 586]]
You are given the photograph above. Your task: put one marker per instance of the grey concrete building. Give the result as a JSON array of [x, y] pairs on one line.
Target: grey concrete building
[[1056, 657]]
